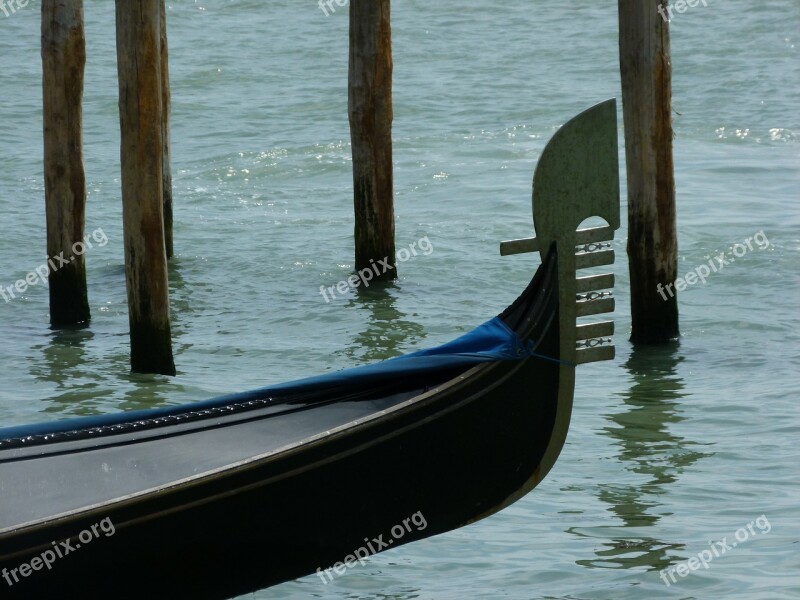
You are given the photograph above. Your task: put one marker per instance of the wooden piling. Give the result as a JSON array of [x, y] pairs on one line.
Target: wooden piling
[[370, 112], [63, 61], [166, 103], [652, 236], [141, 124]]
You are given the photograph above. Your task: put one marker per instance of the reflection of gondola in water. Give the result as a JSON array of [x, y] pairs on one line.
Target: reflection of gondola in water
[[226, 496]]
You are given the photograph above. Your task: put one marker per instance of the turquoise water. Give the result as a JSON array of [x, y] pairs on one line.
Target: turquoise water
[[669, 449]]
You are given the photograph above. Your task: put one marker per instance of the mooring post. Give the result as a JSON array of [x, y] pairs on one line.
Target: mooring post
[[63, 62], [652, 235], [141, 125], [166, 103], [370, 111]]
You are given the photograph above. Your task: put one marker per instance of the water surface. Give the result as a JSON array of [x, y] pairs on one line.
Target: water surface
[[670, 448]]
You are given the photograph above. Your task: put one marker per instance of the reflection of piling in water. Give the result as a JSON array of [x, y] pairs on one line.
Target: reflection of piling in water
[[649, 448], [370, 109], [63, 61], [139, 60], [387, 329], [646, 70], [65, 364]]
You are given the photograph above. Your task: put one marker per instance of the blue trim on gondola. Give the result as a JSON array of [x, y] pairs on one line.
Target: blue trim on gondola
[[493, 341]]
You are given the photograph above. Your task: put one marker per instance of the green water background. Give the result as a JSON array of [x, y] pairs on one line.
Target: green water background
[[669, 448]]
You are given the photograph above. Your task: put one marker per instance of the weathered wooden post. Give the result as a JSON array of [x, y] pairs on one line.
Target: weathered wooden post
[[370, 110], [166, 103], [141, 124], [652, 237], [63, 61]]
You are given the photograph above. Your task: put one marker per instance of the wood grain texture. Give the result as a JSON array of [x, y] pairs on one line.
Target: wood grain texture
[[646, 69], [63, 62], [141, 124], [370, 113]]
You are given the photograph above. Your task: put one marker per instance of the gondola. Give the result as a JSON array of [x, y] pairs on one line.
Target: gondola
[[227, 496]]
